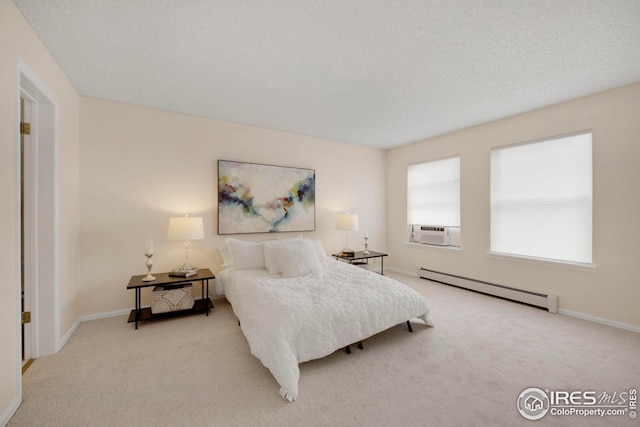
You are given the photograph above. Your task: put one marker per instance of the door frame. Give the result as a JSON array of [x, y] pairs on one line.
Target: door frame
[[28, 206], [44, 218]]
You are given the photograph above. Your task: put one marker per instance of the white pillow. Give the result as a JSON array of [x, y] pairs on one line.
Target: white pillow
[[297, 258], [317, 246], [246, 255], [271, 247], [227, 261]]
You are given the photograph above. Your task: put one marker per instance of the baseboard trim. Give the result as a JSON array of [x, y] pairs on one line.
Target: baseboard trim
[[596, 319], [103, 315], [401, 271], [601, 320], [66, 337], [86, 317]]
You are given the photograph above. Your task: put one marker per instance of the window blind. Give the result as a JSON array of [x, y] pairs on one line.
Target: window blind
[[541, 199], [433, 193]]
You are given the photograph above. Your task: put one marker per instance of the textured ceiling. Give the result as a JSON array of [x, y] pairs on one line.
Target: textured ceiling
[[375, 72]]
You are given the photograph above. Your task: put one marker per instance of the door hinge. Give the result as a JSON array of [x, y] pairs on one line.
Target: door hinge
[[26, 317], [25, 128]]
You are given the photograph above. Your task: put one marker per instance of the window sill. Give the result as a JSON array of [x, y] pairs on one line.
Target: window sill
[[543, 261], [444, 248]]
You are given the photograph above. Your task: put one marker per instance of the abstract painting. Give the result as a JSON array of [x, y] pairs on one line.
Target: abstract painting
[[256, 198]]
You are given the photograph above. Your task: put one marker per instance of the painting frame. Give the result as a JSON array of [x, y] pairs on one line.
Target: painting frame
[[262, 198]]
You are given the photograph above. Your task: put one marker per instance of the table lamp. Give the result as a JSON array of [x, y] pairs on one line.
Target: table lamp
[[347, 222], [185, 228]]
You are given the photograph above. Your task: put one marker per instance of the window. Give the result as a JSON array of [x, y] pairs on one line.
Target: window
[[541, 199], [433, 195]]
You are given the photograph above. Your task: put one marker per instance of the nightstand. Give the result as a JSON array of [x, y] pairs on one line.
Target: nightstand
[[204, 304], [360, 258]]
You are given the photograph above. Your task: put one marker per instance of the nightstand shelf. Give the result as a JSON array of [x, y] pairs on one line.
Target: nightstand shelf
[[203, 304], [146, 314]]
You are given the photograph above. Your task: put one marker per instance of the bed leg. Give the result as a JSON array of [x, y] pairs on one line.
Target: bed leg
[[409, 326], [348, 349], [360, 345]]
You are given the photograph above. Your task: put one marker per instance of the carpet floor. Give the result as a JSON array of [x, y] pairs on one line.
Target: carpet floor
[[468, 370]]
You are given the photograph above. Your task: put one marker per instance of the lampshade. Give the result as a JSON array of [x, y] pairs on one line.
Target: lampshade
[[347, 222], [186, 228]]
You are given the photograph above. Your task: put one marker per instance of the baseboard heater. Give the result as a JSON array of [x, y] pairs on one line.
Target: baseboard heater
[[548, 302]]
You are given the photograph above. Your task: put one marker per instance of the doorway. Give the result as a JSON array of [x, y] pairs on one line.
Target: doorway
[[38, 204]]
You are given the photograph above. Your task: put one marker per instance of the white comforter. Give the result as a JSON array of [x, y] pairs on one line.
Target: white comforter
[[292, 320]]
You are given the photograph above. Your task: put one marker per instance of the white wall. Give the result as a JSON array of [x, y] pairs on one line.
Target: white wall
[[140, 166], [17, 40], [610, 291]]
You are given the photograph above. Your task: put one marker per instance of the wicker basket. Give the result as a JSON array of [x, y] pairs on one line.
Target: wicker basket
[[167, 299]]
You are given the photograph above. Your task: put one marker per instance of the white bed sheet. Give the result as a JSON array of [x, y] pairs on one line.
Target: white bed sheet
[[288, 321]]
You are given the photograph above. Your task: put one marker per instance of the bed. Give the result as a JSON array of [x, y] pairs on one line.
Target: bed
[[295, 304]]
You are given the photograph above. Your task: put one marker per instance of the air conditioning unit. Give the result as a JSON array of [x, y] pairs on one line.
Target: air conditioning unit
[[432, 236], [436, 235]]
